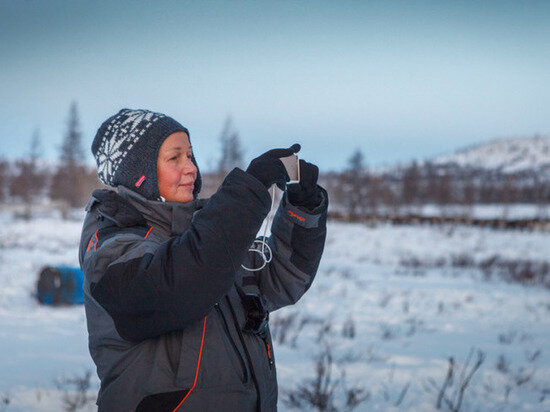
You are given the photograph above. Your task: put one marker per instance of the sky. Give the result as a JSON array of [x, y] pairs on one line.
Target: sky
[[399, 80]]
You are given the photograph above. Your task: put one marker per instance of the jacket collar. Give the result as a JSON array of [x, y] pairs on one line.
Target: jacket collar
[[173, 218]]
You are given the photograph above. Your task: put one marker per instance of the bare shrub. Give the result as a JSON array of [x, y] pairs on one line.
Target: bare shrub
[[389, 332], [385, 300], [503, 365], [350, 357], [517, 377], [462, 261], [286, 329], [543, 394], [533, 356], [520, 270], [415, 325], [446, 383], [5, 400], [324, 330], [347, 273], [320, 392], [506, 338], [402, 394], [75, 391], [522, 375], [348, 330], [527, 272], [386, 393], [305, 321], [281, 326], [355, 395], [454, 401], [411, 262]]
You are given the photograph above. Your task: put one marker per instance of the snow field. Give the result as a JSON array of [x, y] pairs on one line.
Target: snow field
[[390, 326], [409, 322]]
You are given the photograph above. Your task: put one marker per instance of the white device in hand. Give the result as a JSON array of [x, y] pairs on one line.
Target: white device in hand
[[292, 166]]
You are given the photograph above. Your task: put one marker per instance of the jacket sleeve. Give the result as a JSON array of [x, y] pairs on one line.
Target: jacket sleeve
[[297, 241], [152, 289]]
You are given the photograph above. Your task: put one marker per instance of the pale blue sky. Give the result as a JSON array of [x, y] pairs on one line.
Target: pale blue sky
[[399, 79]]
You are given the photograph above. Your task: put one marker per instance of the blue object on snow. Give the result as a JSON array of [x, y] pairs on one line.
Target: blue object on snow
[[60, 285]]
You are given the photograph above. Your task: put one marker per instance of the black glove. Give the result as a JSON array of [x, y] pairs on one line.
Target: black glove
[[306, 193], [268, 169], [256, 314]]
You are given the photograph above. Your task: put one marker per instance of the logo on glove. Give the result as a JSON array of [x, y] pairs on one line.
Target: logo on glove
[[292, 214]]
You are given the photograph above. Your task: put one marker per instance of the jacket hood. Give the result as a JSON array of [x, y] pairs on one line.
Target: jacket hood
[[173, 217], [126, 208]]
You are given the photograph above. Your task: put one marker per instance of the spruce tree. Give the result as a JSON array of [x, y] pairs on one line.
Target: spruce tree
[[355, 179], [66, 184], [28, 182], [411, 185], [231, 151], [4, 178]]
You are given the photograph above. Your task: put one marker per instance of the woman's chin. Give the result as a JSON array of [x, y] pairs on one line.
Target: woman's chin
[[180, 197]]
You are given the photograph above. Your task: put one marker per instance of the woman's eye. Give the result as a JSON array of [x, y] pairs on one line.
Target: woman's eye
[[173, 158]]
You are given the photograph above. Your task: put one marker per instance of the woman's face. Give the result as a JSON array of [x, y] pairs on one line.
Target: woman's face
[[176, 172]]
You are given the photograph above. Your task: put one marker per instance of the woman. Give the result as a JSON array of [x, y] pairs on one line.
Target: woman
[[176, 307]]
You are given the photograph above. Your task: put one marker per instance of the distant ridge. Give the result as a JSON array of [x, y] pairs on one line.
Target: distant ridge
[[507, 155]]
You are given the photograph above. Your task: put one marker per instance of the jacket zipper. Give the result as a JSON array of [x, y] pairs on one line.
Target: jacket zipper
[[233, 344], [268, 350], [254, 379]]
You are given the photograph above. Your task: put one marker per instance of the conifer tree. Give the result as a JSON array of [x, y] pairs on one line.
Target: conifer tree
[[28, 182], [4, 179], [411, 183], [355, 180], [231, 151], [66, 184]]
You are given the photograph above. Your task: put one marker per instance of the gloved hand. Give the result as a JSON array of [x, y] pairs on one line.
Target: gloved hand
[[268, 169], [306, 193]]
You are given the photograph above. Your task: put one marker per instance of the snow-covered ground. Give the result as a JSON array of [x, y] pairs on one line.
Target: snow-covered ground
[[513, 211], [488, 211], [409, 321], [390, 326]]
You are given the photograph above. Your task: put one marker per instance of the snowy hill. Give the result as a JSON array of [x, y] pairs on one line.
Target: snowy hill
[[511, 155]]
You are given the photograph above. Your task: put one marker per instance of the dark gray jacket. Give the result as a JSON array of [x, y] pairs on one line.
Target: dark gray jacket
[[174, 322]]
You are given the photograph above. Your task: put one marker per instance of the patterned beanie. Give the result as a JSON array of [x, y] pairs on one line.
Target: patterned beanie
[[126, 148]]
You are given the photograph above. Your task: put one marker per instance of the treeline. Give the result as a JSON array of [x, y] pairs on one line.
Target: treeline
[[357, 192], [69, 181], [30, 180]]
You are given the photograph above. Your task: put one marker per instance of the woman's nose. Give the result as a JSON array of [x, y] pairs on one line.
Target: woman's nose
[[189, 167]]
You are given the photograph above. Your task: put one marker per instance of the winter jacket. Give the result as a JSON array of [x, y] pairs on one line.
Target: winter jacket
[[174, 321]]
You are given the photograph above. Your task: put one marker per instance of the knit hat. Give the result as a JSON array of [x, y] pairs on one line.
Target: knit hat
[[126, 149]]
